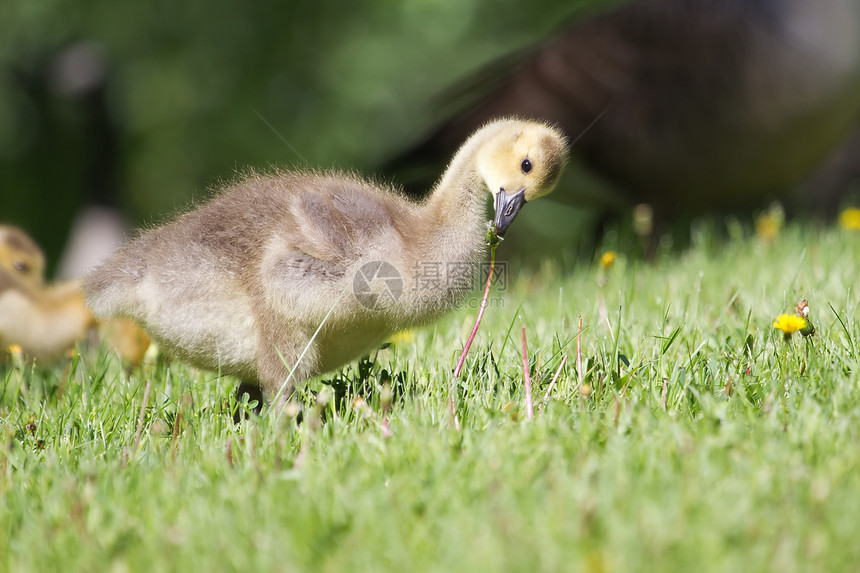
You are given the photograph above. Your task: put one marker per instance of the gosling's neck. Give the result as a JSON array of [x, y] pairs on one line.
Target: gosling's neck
[[456, 209]]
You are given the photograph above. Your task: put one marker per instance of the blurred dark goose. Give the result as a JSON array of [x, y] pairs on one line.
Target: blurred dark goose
[[242, 284], [708, 104], [64, 92]]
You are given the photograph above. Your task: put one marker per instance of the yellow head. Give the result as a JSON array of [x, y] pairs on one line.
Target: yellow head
[[21, 256], [519, 162]]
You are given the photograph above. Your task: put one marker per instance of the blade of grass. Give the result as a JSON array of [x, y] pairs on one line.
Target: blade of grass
[[552, 384], [528, 380], [579, 350]]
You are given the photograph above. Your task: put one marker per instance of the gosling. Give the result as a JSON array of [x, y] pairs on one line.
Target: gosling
[[47, 320], [45, 323], [286, 276]]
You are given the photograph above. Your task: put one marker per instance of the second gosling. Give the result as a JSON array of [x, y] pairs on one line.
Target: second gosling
[[243, 283], [45, 321]]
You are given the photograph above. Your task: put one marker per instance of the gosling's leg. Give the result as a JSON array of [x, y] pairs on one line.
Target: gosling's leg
[[278, 356]]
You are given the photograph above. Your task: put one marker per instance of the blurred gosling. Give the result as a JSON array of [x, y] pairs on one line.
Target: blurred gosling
[[47, 320]]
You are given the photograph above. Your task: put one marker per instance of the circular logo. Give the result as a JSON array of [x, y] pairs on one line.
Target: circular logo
[[377, 285]]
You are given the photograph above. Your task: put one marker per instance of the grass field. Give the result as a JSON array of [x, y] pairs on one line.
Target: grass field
[[698, 440]]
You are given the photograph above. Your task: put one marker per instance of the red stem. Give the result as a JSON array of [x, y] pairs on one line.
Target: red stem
[[480, 316]]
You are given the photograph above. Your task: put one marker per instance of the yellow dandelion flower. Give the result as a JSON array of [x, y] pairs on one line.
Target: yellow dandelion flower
[[607, 259], [789, 323], [403, 337], [769, 223], [15, 349], [767, 226], [849, 219]]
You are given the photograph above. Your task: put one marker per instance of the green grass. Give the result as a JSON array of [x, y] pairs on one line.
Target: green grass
[[658, 468]]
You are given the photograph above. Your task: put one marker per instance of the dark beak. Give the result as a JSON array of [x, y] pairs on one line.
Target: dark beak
[[507, 208]]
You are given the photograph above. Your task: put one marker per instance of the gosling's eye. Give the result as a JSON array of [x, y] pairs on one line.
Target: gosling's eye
[[526, 165], [22, 266]]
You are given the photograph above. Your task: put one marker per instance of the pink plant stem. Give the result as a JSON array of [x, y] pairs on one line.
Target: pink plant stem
[[552, 384], [480, 316], [579, 352], [452, 406], [529, 406], [386, 429]]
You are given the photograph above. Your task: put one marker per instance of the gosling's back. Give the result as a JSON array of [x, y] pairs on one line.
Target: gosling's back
[[270, 254]]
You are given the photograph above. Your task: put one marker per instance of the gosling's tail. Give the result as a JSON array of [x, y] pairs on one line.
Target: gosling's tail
[[110, 288]]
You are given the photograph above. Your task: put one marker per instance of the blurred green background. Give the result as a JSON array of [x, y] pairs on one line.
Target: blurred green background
[[196, 91]]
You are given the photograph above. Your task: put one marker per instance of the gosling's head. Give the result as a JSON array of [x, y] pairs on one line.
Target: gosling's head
[[519, 162], [21, 257]]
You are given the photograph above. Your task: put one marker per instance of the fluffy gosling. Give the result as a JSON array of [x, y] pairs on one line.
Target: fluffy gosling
[[304, 272], [47, 320], [45, 323]]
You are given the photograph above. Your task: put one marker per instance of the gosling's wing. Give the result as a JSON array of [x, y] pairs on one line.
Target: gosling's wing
[[341, 219], [334, 222]]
